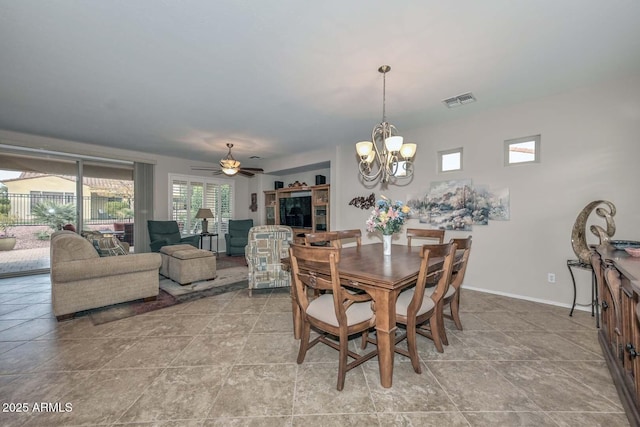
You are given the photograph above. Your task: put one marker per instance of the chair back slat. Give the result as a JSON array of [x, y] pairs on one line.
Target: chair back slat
[[424, 234], [442, 275], [460, 266], [326, 237], [354, 234]]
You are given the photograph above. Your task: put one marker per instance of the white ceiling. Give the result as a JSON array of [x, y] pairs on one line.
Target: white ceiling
[[183, 78]]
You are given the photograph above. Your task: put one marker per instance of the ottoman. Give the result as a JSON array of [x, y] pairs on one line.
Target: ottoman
[[188, 264]]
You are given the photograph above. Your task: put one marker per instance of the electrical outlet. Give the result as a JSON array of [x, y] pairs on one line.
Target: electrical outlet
[[551, 278]]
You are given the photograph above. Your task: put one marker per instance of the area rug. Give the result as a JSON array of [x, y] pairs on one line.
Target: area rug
[[223, 278], [229, 279]]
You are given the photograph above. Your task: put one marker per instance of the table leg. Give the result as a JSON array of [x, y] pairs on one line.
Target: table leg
[[385, 309], [297, 324], [573, 280]]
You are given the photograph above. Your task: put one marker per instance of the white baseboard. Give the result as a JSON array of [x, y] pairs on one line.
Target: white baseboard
[[538, 300]]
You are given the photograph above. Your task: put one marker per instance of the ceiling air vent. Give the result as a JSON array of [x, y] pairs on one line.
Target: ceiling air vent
[[456, 101]]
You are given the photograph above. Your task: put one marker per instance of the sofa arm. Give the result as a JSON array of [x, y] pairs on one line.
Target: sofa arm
[[157, 244], [248, 256], [71, 271]]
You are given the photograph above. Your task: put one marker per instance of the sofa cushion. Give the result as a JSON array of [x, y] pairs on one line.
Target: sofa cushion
[[192, 253], [71, 247]]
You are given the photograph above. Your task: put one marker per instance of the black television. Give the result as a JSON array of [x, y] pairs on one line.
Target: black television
[[295, 211]]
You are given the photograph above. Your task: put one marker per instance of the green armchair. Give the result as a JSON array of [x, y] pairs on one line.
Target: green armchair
[[238, 236], [167, 233]]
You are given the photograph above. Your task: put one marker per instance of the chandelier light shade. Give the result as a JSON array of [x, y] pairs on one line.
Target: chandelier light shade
[[203, 214], [229, 165], [386, 157]]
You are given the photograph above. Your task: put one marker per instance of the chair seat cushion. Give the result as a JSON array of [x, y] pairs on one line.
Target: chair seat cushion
[[322, 309], [404, 299], [431, 290]]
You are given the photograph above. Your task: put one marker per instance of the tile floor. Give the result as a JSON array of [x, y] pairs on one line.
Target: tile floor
[[230, 360]]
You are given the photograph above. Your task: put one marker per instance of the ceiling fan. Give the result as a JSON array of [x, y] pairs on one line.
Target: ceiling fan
[[229, 166]]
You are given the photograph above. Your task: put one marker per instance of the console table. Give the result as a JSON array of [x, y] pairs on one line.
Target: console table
[[575, 263]]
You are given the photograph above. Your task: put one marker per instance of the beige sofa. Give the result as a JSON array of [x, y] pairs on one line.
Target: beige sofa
[[81, 279]]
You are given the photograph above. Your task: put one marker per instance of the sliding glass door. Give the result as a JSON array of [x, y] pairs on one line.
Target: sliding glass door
[[43, 193]]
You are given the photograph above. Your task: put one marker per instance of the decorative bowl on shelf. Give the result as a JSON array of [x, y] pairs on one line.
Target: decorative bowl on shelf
[[624, 244], [634, 252]]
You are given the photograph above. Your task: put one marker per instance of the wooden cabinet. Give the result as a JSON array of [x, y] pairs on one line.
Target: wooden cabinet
[[320, 208], [318, 198], [271, 208], [619, 336]]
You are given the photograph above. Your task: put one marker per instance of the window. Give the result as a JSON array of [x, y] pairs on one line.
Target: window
[[522, 150], [450, 160], [188, 194]]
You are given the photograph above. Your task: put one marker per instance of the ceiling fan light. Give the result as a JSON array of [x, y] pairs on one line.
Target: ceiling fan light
[[230, 171], [229, 164]]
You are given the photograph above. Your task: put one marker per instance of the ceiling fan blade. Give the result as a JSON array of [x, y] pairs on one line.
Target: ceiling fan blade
[[245, 173], [253, 169], [203, 168]]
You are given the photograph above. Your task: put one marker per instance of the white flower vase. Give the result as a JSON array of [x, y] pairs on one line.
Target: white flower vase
[[386, 244]]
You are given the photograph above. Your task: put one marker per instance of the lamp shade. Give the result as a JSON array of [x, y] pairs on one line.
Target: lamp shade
[[408, 150], [204, 213], [364, 148], [230, 171], [393, 143]]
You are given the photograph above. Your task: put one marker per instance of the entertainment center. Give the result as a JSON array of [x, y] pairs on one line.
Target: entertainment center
[[303, 208]]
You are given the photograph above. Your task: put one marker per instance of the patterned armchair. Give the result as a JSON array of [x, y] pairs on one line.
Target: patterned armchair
[[268, 244]]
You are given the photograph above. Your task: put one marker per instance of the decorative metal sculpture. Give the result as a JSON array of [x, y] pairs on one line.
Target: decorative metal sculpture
[[578, 235], [363, 202]]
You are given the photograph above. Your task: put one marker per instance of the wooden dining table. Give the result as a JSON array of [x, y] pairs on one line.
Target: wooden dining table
[[382, 277]]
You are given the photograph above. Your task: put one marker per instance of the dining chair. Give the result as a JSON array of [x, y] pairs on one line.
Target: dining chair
[[350, 235], [322, 238], [425, 233], [415, 309], [338, 314], [452, 297]]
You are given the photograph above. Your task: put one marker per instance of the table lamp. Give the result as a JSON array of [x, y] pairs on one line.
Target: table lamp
[[204, 214]]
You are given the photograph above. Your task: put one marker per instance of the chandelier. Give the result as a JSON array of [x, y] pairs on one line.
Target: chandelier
[[229, 165], [386, 157]]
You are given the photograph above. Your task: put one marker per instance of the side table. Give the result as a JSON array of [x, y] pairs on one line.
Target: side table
[[211, 237], [575, 263]]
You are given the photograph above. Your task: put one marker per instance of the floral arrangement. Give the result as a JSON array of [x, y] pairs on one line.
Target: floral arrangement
[[388, 217]]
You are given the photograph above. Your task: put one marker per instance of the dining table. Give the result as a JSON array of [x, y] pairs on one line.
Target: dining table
[[383, 277]]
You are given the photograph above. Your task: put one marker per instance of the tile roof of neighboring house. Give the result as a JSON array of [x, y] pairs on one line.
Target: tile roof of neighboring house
[[96, 184]]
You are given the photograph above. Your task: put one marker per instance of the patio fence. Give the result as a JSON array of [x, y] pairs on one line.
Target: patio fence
[[95, 209]]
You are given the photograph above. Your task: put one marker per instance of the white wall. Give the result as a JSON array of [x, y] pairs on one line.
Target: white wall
[[590, 149]]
